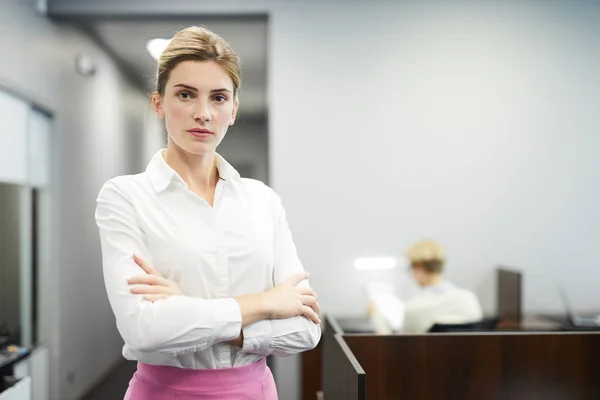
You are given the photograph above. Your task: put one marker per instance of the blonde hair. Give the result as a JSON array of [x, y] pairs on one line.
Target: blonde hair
[[429, 254], [197, 43]]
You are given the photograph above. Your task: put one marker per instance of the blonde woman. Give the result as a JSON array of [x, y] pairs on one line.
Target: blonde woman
[[199, 264], [440, 301]]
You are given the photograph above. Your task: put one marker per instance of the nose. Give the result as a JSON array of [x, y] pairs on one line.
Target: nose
[[202, 111]]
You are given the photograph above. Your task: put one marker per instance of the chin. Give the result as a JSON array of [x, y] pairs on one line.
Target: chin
[[196, 147], [200, 149]]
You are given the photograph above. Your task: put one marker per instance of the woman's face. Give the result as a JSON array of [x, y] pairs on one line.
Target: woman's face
[[198, 106]]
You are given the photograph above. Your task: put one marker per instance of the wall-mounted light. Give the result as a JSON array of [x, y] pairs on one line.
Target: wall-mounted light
[[156, 46], [375, 263], [84, 65]]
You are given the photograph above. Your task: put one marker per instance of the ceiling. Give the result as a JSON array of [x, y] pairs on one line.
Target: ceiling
[[126, 40]]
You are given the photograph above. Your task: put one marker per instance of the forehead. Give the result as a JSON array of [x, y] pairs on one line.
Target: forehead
[[203, 75]]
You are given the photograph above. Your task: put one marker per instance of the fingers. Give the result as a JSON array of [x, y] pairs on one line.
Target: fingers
[[311, 314], [148, 280], [297, 278], [312, 302], [317, 308], [145, 266], [308, 300], [153, 284], [150, 289], [155, 297], [307, 291]]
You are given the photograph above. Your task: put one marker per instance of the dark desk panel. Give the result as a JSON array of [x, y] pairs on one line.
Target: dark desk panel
[[343, 377], [311, 360], [509, 293], [480, 366], [311, 371]]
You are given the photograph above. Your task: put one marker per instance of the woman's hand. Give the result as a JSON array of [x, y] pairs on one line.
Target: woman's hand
[[290, 300], [153, 286], [285, 300]]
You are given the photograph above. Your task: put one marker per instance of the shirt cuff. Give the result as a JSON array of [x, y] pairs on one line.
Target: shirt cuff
[[257, 336], [231, 315]]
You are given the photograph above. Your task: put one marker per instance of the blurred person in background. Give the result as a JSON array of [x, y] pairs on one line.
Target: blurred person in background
[[439, 301], [199, 264]]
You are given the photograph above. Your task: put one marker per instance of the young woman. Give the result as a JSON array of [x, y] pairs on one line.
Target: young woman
[[199, 264]]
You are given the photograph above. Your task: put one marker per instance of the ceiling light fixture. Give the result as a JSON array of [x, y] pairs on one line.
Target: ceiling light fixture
[[375, 263], [156, 46]]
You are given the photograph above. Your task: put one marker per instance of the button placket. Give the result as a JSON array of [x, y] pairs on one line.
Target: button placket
[[223, 278], [221, 259]]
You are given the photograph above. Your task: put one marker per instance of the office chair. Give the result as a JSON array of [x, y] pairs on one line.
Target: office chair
[[485, 325]]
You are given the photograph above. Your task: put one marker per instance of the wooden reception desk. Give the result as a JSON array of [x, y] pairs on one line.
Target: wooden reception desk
[[494, 365]]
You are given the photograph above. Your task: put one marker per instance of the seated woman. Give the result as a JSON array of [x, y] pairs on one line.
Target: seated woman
[[440, 301]]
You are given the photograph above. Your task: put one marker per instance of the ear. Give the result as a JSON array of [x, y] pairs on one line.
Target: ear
[[236, 104], [156, 99]]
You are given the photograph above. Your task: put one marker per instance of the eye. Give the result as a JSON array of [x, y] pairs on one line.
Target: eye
[[185, 95], [220, 98]]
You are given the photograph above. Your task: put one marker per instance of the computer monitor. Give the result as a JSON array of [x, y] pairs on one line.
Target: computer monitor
[[509, 294], [573, 319]]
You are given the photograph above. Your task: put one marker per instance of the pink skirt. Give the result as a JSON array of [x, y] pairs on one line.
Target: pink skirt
[[250, 382]]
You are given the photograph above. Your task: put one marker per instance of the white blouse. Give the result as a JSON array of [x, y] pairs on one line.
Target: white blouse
[[443, 303], [241, 245]]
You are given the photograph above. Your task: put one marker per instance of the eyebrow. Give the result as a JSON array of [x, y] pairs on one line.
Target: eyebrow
[[196, 90]]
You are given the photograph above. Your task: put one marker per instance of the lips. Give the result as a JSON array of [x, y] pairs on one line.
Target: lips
[[200, 132]]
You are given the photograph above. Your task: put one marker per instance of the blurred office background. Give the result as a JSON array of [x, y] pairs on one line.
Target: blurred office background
[[379, 123]]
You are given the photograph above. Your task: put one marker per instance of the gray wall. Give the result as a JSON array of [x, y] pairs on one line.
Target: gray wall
[[10, 257], [246, 144], [97, 134]]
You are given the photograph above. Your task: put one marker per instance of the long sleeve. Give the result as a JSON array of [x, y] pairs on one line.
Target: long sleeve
[[282, 337], [177, 325]]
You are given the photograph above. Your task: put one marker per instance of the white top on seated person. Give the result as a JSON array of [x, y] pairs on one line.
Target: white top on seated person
[[439, 301], [217, 282]]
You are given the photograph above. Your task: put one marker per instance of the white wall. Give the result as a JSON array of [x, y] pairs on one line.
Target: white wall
[[13, 136], [97, 134], [475, 124]]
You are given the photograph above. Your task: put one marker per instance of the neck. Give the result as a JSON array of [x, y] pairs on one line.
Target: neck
[[197, 170], [432, 280]]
